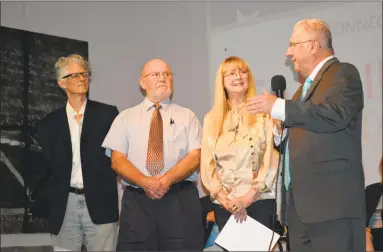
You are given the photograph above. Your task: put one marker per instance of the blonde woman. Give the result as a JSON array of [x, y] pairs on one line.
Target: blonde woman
[[238, 160]]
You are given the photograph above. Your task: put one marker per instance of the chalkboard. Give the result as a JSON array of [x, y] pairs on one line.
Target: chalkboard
[[29, 91], [12, 77], [42, 83]]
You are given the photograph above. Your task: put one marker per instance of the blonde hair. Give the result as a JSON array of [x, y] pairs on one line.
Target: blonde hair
[[319, 29], [221, 105], [62, 62]]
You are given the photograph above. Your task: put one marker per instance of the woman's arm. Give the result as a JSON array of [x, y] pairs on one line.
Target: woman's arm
[[269, 167], [369, 244], [209, 176]]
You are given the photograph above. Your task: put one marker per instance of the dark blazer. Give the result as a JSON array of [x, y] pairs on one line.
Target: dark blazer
[[99, 179], [373, 193], [326, 170]]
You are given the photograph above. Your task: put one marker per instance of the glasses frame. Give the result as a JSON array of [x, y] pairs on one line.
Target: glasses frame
[[293, 44], [158, 75], [234, 74], [83, 74]]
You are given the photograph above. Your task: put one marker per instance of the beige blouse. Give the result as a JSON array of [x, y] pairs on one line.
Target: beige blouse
[[241, 157]]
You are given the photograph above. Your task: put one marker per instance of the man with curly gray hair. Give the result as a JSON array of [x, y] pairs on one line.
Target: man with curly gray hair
[[83, 200]]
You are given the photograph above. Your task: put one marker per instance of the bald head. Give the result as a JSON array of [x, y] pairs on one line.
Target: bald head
[[317, 30], [156, 80], [153, 64]]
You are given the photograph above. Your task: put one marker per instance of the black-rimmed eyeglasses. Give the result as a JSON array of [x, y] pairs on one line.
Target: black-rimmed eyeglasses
[[77, 75]]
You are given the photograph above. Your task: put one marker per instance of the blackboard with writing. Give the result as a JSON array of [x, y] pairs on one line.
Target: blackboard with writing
[[43, 84], [12, 77], [29, 91]]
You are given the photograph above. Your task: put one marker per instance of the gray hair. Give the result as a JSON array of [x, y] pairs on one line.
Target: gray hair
[[62, 62], [319, 29]]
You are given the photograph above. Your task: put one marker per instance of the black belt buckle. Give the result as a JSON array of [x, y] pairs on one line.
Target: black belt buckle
[[76, 190]]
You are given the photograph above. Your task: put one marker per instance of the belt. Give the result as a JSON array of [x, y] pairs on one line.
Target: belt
[[173, 187], [76, 190]]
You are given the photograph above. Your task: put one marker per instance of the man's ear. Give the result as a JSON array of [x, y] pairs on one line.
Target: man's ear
[[315, 47], [142, 83], [61, 84]]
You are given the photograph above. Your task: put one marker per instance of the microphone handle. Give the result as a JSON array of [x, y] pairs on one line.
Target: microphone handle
[[279, 93]]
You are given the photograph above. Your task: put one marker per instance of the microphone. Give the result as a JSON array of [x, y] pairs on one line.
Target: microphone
[[171, 121], [278, 85]]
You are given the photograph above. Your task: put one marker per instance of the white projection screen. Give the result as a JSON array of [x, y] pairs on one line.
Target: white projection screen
[[357, 39]]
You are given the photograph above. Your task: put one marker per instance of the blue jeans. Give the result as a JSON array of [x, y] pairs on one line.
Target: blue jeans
[[78, 229]]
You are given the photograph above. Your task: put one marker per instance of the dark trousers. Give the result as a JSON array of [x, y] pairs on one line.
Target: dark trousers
[[171, 223], [261, 210], [377, 236], [334, 235]]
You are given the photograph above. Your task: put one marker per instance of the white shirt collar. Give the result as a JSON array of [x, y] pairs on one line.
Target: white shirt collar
[[148, 104], [69, 108], [318, 67]]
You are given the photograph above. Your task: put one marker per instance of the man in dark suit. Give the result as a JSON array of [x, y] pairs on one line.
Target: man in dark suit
[[323, 172], [84, 201]]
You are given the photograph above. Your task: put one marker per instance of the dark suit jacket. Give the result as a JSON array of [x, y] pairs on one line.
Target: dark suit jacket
[[373, 194], [325, 150], [98, 177]]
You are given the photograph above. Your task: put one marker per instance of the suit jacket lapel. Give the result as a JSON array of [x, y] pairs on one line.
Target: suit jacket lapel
[[86, 123], [318, 77], [64, 131], [298, 93]]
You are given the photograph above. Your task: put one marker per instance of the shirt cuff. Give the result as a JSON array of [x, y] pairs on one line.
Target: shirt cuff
[[278, 110], [277, 137]]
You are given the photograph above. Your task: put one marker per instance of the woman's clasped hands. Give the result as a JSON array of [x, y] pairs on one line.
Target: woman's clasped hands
[[238, 205]]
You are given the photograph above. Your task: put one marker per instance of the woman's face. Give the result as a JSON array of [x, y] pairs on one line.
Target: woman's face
[[236, 81]]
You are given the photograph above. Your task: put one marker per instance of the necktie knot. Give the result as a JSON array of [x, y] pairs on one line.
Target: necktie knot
[[157, 106], [306, 87], [78, 118], [308, 81]]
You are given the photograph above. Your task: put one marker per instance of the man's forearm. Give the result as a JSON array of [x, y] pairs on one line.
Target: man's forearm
[[126, 170], [185, 167]]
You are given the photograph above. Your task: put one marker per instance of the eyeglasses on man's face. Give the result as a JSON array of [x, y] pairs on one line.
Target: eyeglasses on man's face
[[74, 76], [293, 44], [158, 75]]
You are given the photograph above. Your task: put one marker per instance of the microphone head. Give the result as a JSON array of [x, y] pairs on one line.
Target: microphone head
[[278, 82]]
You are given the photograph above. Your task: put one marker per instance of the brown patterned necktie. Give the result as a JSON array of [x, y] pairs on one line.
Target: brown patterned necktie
[[155, 155]]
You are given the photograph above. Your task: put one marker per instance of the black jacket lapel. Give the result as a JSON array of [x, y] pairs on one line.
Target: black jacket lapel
[[86, 123], [64, 132], [319, 76]]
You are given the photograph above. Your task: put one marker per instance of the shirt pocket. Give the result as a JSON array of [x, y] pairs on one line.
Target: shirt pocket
[[179, 141]]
